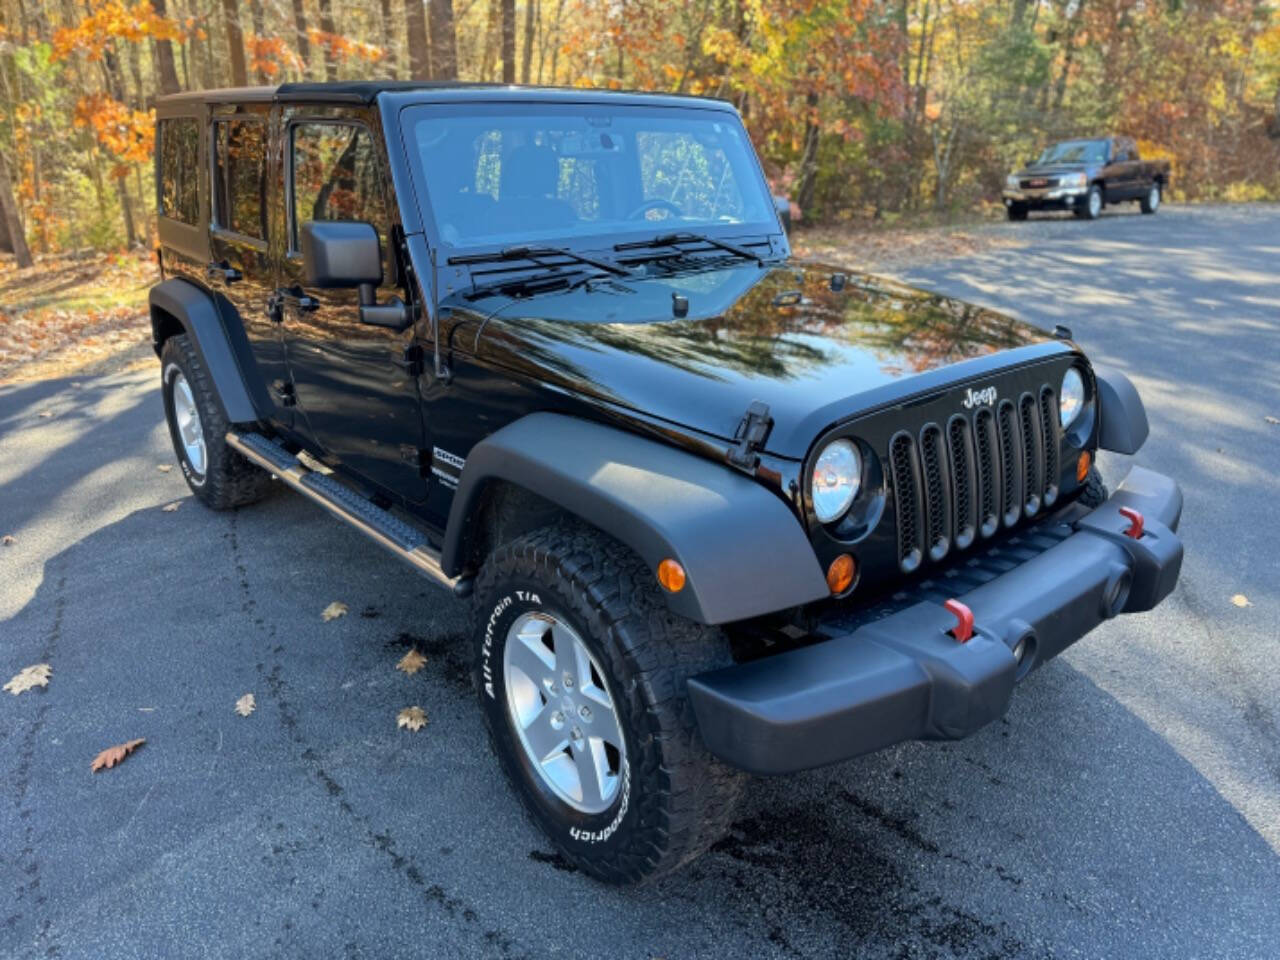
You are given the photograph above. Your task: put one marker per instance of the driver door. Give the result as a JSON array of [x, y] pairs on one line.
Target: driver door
[[357, 393]]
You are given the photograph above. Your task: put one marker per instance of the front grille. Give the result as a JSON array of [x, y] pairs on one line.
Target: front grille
[[955, 486], [1039, 183]]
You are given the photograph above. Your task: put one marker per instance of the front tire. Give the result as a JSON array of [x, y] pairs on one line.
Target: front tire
[[1151, 202], [1017, 211], [216, 474], [1091, 209], [568, 619]]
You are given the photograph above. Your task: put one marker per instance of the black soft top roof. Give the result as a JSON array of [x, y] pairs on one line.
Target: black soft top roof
[[367, 91]]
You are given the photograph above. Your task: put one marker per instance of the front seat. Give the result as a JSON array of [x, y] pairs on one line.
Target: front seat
[[527, 188]]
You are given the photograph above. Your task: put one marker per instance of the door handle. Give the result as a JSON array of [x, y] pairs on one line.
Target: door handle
[[299, 301], [223, 272]]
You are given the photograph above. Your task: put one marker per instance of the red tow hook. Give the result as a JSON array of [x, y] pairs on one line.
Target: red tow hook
[[963, 629], [1135, 522]]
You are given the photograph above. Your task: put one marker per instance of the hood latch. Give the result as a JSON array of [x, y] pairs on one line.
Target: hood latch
[[750, 436]]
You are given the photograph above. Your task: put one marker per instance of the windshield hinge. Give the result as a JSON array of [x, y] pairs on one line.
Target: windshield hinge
[[750, 436]]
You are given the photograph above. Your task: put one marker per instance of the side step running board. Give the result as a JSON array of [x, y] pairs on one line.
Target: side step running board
[[406, 542]]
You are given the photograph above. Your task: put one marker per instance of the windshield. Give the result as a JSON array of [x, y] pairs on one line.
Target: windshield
[[1076, 151], [515, 173]]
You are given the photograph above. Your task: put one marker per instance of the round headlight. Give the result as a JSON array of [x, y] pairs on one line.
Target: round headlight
[[836, 476], [1070, 397]]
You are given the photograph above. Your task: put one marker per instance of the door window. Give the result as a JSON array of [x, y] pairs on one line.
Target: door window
[[240, 176], [179, 166], [337, 175]]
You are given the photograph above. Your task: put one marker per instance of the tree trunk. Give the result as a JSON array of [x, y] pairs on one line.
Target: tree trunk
[[166, 72], [9, 211], [388, 41], [508, 41], [259, 29], [809, 159], [529, 23], [326, 27], [415, 37], [301, 40], [235, 43], [444, 41]]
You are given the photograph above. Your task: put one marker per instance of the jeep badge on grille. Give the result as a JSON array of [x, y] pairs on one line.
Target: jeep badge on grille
[[978, 398]]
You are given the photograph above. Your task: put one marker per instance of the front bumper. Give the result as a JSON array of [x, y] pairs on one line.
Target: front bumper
[[1054, 198], [905, 677]]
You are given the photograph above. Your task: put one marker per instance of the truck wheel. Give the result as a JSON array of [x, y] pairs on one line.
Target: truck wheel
[[1095, 491], [1017, 211], [218, 475], [1151, 202], [1091, 209], [580, 670]]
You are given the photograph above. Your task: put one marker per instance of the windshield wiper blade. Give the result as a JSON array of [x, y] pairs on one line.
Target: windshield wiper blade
[[532, 286], [537, 255], [674, 240]]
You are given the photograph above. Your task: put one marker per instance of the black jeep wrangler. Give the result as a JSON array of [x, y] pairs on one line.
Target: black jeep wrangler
[[718, 512]]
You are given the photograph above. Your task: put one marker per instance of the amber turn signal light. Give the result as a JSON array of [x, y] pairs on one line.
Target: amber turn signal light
[[1082, 466], [671, 575], [840, 574]]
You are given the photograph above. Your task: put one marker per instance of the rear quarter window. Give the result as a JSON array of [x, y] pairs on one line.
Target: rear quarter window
[[179, 169]]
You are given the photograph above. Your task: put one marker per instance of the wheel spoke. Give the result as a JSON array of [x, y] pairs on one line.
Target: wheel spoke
[[528, 655], [604, 726], [592, 769], [543, 739]]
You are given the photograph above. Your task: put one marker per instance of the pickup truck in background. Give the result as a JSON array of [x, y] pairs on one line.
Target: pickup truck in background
[[1083, 176]]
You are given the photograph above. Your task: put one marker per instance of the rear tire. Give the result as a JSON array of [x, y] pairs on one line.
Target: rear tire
[[658, 797], [1017, 211], [219, 476], [1151, 202]]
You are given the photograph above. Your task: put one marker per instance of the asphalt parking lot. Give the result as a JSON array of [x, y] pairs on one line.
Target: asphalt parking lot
[[1128, 805]]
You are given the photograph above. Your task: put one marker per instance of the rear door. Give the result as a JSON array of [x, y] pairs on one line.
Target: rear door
[[242, 264], [356, 385]]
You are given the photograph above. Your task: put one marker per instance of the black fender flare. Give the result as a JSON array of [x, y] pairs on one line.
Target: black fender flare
[[196, 310], [744, 552], [1124, 426]]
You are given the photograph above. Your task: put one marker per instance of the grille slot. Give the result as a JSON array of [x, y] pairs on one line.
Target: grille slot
[[1049, 424], [905, 466], [989, 475], [964, 497], [1032, 454], [1010, 463], [933, 461]]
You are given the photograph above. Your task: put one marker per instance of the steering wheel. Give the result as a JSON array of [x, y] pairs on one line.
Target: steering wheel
[[657, 203]]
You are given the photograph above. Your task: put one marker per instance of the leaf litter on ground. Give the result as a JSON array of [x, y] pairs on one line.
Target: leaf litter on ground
[[28, 678], [111, 756], [412, 718]]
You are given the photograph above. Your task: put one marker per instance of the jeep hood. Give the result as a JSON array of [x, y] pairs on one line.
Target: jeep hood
[[779, 334]]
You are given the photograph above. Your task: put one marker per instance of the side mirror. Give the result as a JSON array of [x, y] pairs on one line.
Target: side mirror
[[344, 254], [783, 206]]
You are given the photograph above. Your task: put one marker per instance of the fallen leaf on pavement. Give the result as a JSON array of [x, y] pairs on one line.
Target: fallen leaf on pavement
[[1240, 600], [112, 755], [164, 467], [411, 662], [8, 540], [412, 717], [246, 705], [29, 678], [1272, 420], [171, 507], [46, 414], [333, 611]]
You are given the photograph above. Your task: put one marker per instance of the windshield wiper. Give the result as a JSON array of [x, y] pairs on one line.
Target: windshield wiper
[[537, 255], [532, 286], [674, 240]]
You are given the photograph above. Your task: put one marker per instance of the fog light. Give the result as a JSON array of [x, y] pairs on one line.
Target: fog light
[[1082, 467], [671, 575], [840, 574]]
